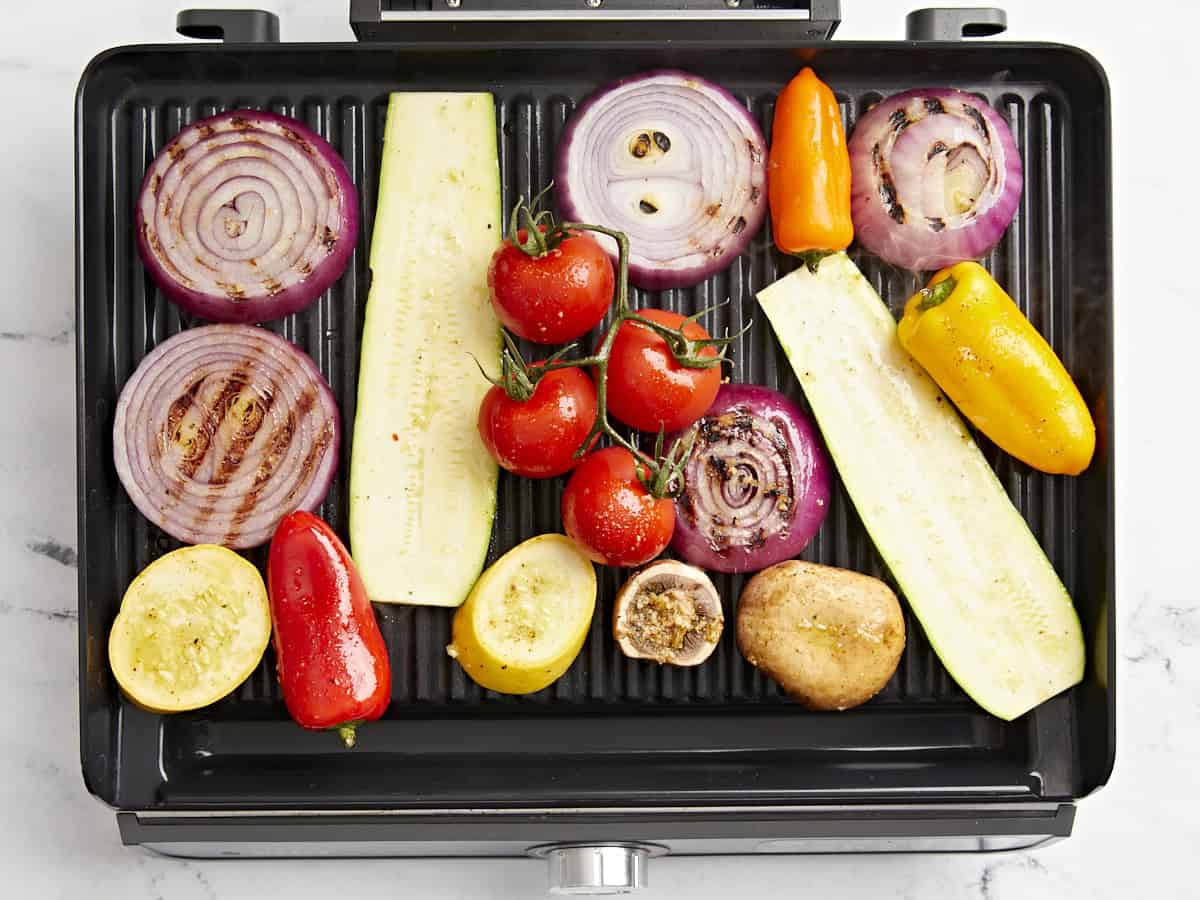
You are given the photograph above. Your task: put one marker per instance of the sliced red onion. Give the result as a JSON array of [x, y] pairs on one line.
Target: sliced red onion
[[937, 178], [246, 216], [222, 431], [757, 483], [675, 162]]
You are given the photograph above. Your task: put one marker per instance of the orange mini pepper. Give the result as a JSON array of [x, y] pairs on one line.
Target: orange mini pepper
[[989, 359], [808, 171]]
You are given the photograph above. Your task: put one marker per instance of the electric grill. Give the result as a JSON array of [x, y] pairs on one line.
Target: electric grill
[[620, 760]]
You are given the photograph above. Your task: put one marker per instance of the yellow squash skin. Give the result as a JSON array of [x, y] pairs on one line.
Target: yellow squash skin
[[527, 617], [998, 370]]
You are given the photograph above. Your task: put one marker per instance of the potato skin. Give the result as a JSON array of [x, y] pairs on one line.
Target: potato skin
[[831, 638]]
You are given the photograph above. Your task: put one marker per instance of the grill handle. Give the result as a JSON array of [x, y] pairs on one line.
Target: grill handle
[[942, 24], [595, 22], [233, 26]]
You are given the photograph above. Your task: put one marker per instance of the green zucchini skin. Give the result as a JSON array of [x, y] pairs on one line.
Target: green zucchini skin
[[987, 597], [422, 485]]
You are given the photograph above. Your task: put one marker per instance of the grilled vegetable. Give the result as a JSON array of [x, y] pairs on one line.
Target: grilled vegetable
[[222, 431], [756, 485], [937, 178], [668, 612], [808, 172], [547, 285], [831, 638], [331, 661], [971, 337], [987, 597], [422, 486], [527, 616], [648, 387], [675, 162], [536, 432], [611, 515], [246, 216], [191, 628]]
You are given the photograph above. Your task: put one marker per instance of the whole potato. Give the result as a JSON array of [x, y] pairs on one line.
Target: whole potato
[[830, 637]]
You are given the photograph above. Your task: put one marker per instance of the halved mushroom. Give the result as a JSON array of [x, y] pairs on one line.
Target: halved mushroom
[[669, 612]]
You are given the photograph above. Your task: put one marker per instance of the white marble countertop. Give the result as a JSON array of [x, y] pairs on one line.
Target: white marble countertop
[[1135, 838]]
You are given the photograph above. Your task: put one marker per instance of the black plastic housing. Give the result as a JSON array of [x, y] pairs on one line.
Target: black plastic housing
[[612, 732]]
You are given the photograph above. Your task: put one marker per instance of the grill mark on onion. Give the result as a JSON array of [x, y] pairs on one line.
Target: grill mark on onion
[[210, 422], [298, 140], [315, 452], [887, 193], [977, 118], [175, 413], [242, 439]]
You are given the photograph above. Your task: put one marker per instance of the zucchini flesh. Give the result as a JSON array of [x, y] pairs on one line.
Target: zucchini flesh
[[987, 597], [422, 485]]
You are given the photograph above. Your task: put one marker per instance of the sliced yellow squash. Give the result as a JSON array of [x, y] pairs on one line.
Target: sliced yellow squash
[[525, 620], [192, 627]]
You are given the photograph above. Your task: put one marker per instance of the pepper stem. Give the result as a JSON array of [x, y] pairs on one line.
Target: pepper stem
[[812, 258], [348, 733], [937, 294]]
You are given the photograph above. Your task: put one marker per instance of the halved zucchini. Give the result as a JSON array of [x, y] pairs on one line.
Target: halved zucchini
[[989, 600]]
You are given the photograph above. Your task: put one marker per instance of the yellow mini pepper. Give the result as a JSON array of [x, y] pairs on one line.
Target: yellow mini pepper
[[987, 357]]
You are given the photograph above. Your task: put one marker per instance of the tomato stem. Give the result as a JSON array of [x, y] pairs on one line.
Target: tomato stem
[[542, 233]]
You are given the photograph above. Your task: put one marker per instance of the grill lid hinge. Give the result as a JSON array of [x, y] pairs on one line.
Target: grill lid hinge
[[233, 26], [944, 24]]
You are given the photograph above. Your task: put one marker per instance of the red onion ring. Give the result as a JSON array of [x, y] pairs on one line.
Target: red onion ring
[[675, 162], [222, 431], [246, 216], [936, 178], [757, 483]]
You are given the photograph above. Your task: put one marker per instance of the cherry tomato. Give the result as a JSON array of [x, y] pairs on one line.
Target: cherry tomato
[[647, 387], [332, 664], [609, 513], [538, 437], [553, 298]]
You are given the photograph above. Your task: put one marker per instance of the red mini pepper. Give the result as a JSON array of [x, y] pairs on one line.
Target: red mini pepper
[[331, 659]]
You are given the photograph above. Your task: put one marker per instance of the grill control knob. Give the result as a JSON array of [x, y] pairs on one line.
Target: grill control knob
[[582, 870]]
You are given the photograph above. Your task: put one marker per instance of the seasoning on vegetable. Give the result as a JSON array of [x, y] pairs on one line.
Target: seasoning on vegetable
[[756, 487], [972, 338], [808, 173]]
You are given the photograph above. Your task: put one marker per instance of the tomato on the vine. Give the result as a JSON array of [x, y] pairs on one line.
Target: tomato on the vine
[[647, 387], [554, 297], [609, 513], [538, 437]]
